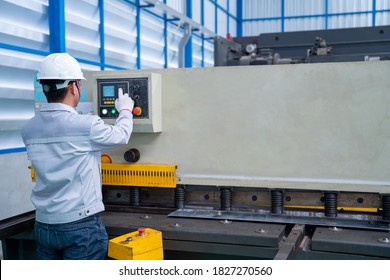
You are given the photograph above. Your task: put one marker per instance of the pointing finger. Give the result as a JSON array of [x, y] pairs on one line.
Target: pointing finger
[[120, 92]]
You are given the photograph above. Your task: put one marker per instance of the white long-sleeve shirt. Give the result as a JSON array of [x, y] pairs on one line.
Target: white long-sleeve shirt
[[64, 148]]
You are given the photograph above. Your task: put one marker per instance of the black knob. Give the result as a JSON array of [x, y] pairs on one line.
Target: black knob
[[132, 155]]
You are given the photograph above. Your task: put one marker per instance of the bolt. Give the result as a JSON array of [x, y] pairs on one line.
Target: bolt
[[384, 240], [176, 225], [335, 229], [145, 217], [260, 230]]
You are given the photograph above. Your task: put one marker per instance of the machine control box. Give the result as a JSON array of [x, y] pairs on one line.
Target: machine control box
[[137, 88], [143, 88]]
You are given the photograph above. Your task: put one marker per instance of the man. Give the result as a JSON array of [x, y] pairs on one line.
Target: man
[[64, 148]]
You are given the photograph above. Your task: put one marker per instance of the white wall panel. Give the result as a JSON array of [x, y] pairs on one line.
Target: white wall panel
[[382, 19], [178, 5], [382, 4], [209, 15], [233, 7], [258, 27], [23, 37], [222, 23], [174, 35], [120, 34], [24, 31], [233, 27], [15, 185], [261, 9], [349, 21], [223, 4], [312, 15], [196, 11], [302, 24], [197, 51], [208, 53], [152, 41], [82, 29], [303, 7], [346, 6], [17, 68]]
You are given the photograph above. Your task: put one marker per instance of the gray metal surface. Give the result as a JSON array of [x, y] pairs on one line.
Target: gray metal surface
[[225, 240], [307, 126], [351, 241], [280, 218], [237, 233], [15, 185]]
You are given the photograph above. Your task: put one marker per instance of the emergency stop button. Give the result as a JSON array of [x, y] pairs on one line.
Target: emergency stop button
[[141, 231], [137, 111]]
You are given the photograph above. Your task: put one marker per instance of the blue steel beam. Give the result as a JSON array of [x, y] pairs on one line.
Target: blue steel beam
[[12, 150], [202, 23], [239, 18], [228, 18], [188, 47], [282, 14], [102, 38], [56, 12], [215, 16], [165, 39], [138, 39], [226, 11], [326, 14]]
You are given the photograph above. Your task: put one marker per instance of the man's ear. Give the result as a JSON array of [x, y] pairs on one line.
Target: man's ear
[[72, 88]]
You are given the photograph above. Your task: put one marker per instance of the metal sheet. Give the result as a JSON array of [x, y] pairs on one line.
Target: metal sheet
[[280, 218], [316, 126]]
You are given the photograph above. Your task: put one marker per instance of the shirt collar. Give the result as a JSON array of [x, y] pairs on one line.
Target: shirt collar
[[57, 107]]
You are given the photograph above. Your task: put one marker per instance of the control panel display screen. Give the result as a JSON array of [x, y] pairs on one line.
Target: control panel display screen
[[137, 88], [108, 91]]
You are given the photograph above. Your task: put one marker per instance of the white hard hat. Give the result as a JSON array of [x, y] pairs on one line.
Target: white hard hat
[[60, 66]]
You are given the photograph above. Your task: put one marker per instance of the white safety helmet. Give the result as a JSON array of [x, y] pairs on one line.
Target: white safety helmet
[[60, 66]]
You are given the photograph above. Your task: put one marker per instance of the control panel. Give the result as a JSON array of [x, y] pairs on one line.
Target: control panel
[[143, 88], [137, 88]]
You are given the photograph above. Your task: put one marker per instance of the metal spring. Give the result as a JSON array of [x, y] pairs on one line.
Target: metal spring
[[386, 207], [226, 199], [179, 197], [330, 204], [277, 202], [134, 196]]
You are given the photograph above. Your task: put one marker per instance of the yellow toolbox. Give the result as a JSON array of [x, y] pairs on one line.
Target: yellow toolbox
[[144, 244]]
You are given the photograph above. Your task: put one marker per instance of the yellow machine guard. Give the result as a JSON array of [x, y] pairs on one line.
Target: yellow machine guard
[[139, 175], [144, 244]]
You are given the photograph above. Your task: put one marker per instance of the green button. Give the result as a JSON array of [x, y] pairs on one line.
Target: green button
[[113, 111]]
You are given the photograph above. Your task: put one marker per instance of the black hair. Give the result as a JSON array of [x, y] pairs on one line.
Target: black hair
[[54, 95]]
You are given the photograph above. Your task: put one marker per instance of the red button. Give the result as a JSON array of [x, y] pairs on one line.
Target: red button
[[141, 231], [137, 111]]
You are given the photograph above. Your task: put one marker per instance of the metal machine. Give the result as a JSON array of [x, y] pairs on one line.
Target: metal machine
[[290, 159], [278, 162], [335, 45]]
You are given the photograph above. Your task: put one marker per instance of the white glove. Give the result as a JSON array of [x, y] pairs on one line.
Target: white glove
[[123, 102]]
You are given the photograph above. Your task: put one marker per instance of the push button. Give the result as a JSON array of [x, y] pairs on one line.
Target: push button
[[137, 111]]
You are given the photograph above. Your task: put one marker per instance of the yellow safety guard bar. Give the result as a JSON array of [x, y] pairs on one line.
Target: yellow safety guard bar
[[139, 175]]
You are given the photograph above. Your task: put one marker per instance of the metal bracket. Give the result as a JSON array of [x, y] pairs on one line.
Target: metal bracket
[[289, 247]]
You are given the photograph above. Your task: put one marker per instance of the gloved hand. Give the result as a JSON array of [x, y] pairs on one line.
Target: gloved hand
[[123, 102]]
